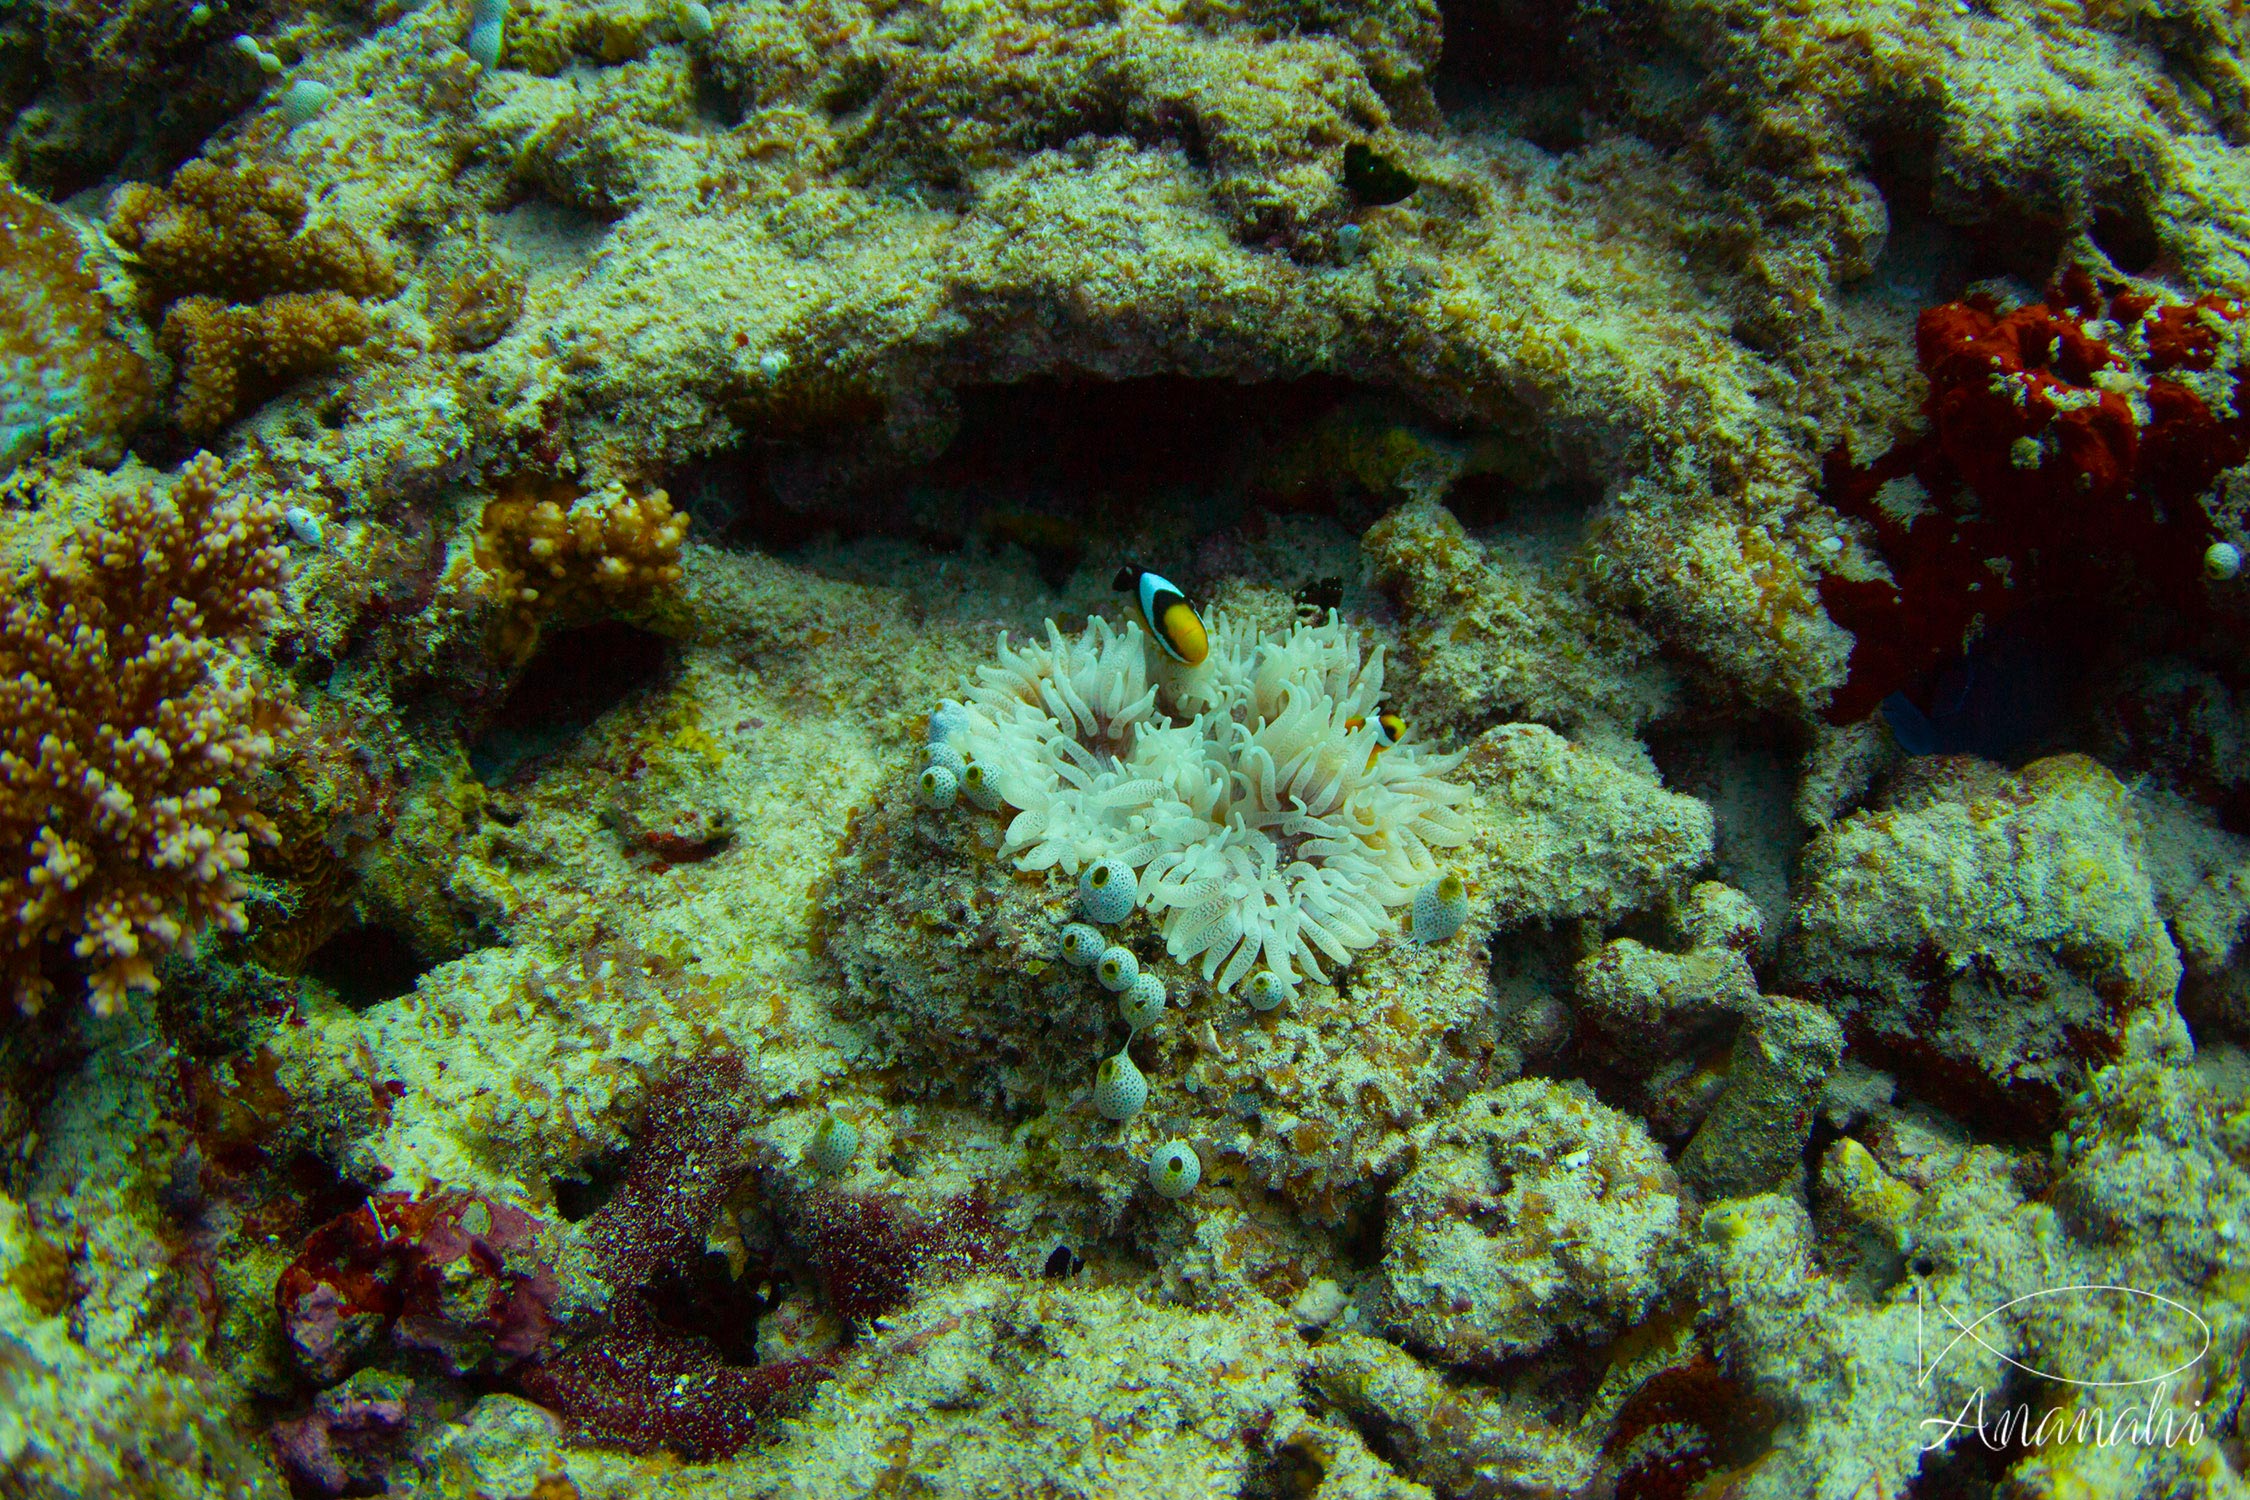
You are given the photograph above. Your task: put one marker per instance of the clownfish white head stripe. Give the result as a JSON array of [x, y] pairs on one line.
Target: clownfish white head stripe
[[1389, 728], [1171, 619]]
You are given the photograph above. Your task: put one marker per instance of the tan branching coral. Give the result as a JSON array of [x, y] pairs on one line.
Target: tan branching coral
[[224, 351], [256, 298], [131, 726], [550, 550]]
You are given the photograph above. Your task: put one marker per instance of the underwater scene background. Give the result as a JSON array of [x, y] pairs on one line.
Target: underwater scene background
[[1211, 748]]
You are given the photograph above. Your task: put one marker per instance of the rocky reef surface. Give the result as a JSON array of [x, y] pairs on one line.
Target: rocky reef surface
[[599, 896]]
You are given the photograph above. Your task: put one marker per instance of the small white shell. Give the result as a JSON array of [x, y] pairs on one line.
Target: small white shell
[[303, 525], [694, 20], [1174, 1169], [1119, 1088], [1117, 968], [1439, 909], [834, 1141], [1082, 945], [1107, 891], [1143, 1001], [1268, 989], [978, 787], [939, 787], [2222, 561], [304, 100], [942, 754]]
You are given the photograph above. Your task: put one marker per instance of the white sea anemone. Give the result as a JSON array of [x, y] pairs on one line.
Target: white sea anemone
[[1263, 826]]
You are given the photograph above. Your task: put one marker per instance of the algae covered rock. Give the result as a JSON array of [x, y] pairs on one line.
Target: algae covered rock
[[1534, 1212], [1986, 935], [999, 1387]]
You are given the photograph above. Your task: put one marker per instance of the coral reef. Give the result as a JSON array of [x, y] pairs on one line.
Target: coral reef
[[1709, 836], [135, 724], [253, 297]]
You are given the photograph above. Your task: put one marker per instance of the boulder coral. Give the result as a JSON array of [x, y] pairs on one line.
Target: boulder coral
[[1988, 935], [1532, 1212]]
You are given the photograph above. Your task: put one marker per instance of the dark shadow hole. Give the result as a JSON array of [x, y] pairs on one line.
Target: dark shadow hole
[[1289, 1472], [1076, 474], [1508, 63], [580, 1197], [574, 678], [2127, 234], [367, 964], [706, 1300]]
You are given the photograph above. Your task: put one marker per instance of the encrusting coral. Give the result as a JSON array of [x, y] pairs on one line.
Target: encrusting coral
[[1251, 793], [60, 366], [131, 727], [255, 298]]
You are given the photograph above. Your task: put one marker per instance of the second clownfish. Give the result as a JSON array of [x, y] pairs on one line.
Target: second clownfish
[[1171, 619]]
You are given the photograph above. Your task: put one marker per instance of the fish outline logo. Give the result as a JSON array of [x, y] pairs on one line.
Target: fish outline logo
[[1927, 1365]]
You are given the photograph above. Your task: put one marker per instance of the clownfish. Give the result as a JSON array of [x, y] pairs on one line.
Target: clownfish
[[1389, 730], [1171, 619]]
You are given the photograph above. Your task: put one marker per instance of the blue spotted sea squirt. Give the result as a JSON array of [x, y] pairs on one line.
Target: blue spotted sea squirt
[[1174, 1169], [1142, 1002], [1107, 891], [1440, 908], [1119, 1088]]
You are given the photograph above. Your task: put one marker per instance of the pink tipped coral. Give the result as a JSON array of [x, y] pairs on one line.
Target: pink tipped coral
[[131, 726]]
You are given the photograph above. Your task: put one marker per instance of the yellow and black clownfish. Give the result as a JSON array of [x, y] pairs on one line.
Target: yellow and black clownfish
[[1389, 730], [1171, 619]]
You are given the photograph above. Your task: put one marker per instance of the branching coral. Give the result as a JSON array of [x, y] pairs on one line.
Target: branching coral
[[551, 551], [131, 726], [256, 298], [225, 350], [1252, 793]]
